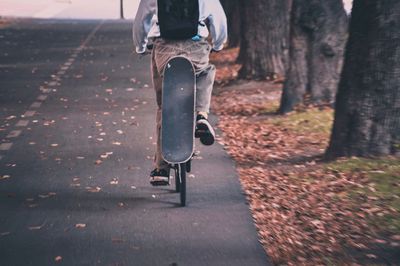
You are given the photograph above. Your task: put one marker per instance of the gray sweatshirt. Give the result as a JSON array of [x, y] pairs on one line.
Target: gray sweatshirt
[[145, 24]]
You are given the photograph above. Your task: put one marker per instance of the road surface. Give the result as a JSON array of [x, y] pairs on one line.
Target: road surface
[[77, 124]]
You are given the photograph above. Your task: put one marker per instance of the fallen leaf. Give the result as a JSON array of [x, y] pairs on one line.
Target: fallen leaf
[[5, 177], [114, 181], [93, 189], [80, 225], [395, 237], [36, 227]]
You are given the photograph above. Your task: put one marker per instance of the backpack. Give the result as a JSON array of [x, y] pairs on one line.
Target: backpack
[[178, 19]]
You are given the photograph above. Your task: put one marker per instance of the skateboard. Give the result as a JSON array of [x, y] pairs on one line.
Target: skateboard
[[178, 114]]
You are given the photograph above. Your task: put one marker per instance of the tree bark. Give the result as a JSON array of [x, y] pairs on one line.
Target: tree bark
[[367, 118], [317, 39], [264, 46], [232, 10]]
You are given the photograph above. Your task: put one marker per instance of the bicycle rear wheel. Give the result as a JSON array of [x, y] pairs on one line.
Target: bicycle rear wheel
[[182, 179], [177, 179]]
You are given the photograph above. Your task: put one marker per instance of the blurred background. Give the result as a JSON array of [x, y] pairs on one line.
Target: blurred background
[[77, 9], [74, 9]]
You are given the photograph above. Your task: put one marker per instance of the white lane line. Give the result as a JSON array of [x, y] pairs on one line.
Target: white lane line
[[14, 134], [90, 36], [29, 113], [42, 97], [22, 123], [5, 146], [36, 105]]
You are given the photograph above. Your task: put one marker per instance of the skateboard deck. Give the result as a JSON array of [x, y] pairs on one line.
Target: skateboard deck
[[178, 110]]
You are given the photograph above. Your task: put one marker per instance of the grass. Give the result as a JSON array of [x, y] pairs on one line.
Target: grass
[[313, 120], [384, 177], [270, 107]]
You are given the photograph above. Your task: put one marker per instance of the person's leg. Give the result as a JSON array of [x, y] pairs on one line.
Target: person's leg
[[198, 53], [204, 86], [159, 163]]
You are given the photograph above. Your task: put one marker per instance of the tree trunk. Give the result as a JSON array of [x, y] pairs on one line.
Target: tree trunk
[[232, 10], [264, 44], [367, 118], [317, 39]]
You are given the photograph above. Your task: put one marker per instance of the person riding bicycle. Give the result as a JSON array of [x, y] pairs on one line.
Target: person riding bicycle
[[179, 28]]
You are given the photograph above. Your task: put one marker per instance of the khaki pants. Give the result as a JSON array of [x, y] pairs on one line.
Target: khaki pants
[[198, 52]]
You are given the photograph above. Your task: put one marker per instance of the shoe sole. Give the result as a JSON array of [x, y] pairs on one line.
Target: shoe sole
[[205, 132], [160, 182]]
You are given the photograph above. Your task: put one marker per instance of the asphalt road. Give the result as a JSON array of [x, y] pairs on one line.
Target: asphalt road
[[77, 124]]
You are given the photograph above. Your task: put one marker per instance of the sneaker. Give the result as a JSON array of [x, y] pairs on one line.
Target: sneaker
[[204, 131], [159, 177]]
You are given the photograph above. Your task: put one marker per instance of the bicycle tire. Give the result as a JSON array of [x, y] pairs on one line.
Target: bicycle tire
[[182, 171], [177, 180], [189, 166]]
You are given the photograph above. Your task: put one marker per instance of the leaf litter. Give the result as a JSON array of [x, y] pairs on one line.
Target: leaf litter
[[303, 212]]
